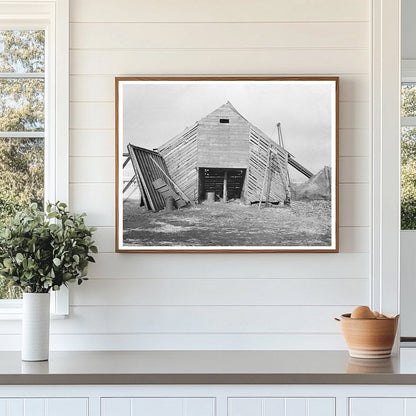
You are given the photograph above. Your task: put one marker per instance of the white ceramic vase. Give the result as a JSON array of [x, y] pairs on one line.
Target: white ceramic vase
[[35, 326]]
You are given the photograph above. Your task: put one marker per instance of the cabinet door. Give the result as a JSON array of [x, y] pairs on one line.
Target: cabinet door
[[269, 406], [382, 406], [44, 407], [160, 406]]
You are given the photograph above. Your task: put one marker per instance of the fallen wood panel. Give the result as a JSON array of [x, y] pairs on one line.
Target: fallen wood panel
[[146, 173]]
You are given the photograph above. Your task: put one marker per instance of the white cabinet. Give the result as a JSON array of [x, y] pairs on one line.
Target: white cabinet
[[281, 406], [146, 406], [44, 407], [382, 406]]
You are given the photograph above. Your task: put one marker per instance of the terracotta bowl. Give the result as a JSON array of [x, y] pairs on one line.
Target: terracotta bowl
[[369, 338]]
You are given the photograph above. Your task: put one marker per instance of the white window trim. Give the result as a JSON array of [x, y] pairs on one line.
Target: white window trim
[[408, 75], [53, 15], [385, 95]]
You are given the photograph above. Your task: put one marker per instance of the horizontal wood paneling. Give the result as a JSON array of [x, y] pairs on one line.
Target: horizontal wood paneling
[[105, 239], [354, 170], [96, 199], [298, 37], [218, 11], [93, 143], [232, 62], [354, 208], [218, 35], [352, 239], [200, 266], [101, 88], [352, 115], [166, 341], [81, 116], [194, 320], [354, 142], [220, 291], [202, 319], [92, 88], [92, 169]]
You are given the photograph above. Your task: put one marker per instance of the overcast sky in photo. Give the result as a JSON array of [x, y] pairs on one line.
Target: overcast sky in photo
[[153, 113]]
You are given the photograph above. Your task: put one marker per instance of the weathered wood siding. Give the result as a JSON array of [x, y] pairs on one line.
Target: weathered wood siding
[[180, 155], [260, 145], [223, 145]]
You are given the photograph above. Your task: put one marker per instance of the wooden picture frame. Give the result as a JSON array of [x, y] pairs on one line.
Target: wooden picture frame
[[195, 171]]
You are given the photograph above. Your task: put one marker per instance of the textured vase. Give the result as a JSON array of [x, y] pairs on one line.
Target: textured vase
[[35, 326]]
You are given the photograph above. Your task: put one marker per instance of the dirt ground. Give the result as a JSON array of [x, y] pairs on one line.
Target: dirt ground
[[231, 224]]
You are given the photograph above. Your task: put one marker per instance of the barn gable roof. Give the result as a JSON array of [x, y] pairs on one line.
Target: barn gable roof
[[265, 136], [227, 106]]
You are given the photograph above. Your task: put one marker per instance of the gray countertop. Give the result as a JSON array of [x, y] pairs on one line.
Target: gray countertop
[[208, 367]]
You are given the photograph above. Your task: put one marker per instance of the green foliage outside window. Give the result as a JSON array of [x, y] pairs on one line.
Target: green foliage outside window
[[408, 160], [21, 110]]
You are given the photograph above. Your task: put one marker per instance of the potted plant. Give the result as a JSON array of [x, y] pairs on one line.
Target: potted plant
[[40, 252]]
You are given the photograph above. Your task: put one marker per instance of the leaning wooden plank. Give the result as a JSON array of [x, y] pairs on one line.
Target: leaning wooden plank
[[166, 192], [129, 184], [126, 161], [173, 183]]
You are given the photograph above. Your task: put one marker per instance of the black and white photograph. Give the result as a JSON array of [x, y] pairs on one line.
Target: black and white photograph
[[227, 164]]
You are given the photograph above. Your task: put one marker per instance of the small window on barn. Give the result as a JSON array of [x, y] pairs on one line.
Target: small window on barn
[[224, 120]]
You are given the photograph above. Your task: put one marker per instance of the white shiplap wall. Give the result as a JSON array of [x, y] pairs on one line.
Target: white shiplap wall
[[218, 301]]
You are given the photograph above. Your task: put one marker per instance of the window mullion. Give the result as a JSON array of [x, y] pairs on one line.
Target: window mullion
[[22, 134], [22, 75]]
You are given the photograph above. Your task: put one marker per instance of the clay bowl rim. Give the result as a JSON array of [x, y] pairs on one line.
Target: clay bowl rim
[[347, 316]]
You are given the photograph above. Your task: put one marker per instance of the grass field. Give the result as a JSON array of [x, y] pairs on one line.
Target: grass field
[[231, 224]]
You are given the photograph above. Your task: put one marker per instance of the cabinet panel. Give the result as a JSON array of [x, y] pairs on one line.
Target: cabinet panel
[[157, 406], [245, 407], [119, 407], [377, 407], [318, 407], [281, 406], [410, 406], [44, 407], [67, 407]]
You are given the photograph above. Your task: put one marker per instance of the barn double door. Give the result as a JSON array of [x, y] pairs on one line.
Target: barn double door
[[226, 184]]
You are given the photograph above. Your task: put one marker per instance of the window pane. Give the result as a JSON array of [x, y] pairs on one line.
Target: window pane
[[21, 182], [22, 104], [22, 51], [21, 109], [21, 173], [408, 178]]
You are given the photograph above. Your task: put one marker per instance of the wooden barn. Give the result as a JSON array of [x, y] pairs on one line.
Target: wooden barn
[[224, 153]]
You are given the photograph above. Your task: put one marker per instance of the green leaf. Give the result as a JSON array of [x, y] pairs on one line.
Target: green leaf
[[56, 262]]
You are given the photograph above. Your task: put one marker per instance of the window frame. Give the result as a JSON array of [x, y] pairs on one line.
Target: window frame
[[53, 17]]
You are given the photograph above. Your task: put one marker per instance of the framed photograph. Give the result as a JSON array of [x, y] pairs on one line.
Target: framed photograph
[[227, 164]]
